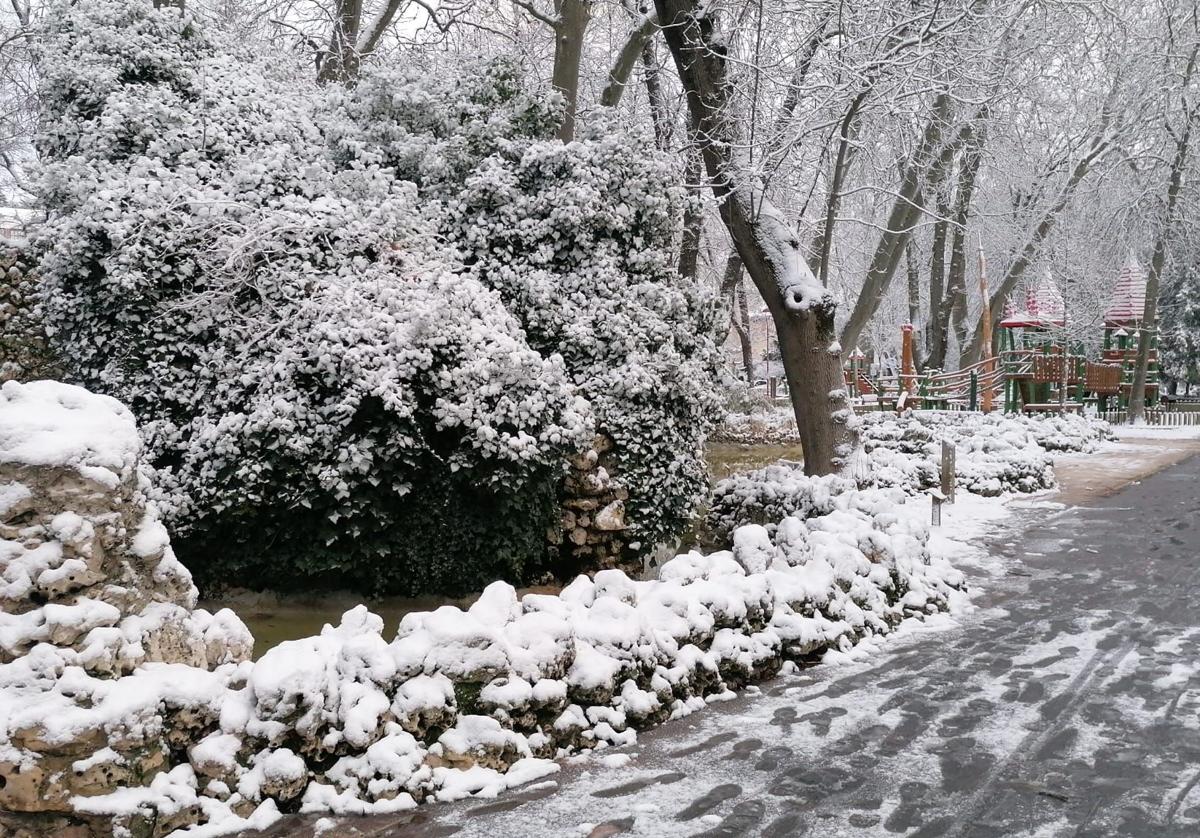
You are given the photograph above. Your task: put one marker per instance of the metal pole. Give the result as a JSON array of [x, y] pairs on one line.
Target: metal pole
[[947, 475]]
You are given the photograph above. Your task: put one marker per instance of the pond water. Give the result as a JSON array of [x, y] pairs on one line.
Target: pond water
[[274, 618], [726, 458]]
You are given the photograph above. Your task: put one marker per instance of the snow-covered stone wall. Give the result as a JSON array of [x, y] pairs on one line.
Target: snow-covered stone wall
[[90, 591], [124, 709]]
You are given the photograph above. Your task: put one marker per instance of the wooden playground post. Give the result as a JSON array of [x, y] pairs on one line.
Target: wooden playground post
[[986, 325], [907, 367]]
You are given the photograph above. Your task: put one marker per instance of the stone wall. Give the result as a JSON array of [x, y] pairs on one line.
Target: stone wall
[[593, 533], [89, 592], [126, 711]]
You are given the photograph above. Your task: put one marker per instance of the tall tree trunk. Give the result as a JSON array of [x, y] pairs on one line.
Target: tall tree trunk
[[802, 310], [914, 282], [932, 154], [742, 321], [953, 308], [660, 112], [958, 245], [847, 135], [693, 218], [569, 30], [936, 340], [734, 289], [349, 43], [958, 290], [635, 46], [341, 61]]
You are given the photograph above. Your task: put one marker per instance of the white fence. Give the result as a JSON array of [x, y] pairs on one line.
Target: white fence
[[1156, 417]]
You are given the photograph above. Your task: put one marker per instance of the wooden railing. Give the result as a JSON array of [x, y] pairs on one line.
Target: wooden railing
[[959, 390], [964, 389]]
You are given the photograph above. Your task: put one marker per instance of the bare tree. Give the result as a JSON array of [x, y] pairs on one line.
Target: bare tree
[[803, 311], [1180, 137], [350, 41]]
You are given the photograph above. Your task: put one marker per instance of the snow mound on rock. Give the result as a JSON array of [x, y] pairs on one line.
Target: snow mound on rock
[[91, 591], [48, 423]]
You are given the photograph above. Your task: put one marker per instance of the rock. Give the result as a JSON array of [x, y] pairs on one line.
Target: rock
[[90, 581], [586, 461], [481, 740], [611, 518]]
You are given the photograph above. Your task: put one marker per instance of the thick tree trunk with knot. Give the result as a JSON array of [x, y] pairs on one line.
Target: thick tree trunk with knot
[[803, 311]]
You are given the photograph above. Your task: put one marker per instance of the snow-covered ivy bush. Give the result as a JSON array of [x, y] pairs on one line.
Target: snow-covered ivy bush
[[322, 394], [766, 496], [579, 242], [24, 351], [342, 372]]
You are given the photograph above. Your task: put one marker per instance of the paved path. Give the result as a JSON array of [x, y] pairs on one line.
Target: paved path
[[1068, 705]]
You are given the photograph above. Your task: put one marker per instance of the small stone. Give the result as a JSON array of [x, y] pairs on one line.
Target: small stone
[[612, 517], [579, 536], [585, 461]]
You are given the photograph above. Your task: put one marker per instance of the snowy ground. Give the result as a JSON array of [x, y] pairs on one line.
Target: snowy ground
[[1067, 703]]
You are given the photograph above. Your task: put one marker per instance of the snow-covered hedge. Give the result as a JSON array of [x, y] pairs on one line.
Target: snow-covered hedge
[[471, 702], [995, 454], [460, 702], [363, 330], [24, 351], [768, 495], [771, 426], [579, 241]]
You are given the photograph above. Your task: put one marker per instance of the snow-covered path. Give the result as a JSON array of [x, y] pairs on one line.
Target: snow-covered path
[[1067, 705]]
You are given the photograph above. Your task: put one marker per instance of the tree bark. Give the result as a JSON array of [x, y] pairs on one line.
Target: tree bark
[[341, 61], [569, 30], [802, 311]]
